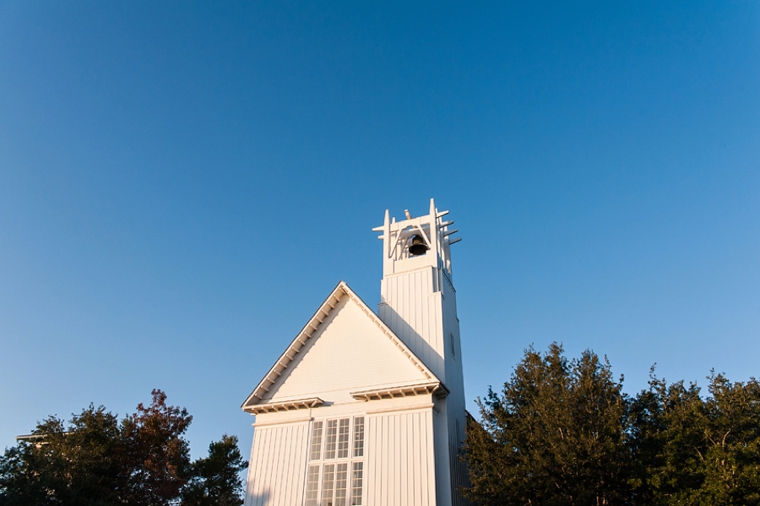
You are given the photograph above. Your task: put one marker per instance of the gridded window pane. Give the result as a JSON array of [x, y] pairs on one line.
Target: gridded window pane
[[343, 438], [332, 433], [359, 436], [334, 476], [356, 483], [341, 476], [316, 441], [328, 484], [312, 486]]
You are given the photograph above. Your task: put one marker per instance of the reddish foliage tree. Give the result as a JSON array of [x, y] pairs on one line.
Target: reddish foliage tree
[[156, 452]]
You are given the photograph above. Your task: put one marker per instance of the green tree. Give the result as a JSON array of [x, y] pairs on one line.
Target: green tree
[[667, 438], [555, 435], [732, 460], [216, 478], [98, 461], [691, 450], [60, 466]]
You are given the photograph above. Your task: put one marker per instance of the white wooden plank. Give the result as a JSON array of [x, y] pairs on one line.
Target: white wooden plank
[[417, 460], [405, 452]]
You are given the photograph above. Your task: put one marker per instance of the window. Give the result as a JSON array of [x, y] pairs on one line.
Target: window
[[359, 436], [312, 486], [356, 483], [336, 467], [343, 438], [332, 429], [328, 480], [316, 441]]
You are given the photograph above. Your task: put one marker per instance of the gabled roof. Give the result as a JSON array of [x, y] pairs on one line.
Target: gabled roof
[[254, 403]]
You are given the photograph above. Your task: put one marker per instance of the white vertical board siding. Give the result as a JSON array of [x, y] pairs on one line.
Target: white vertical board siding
[[278, 465], [420, 307], [412, 309], [400, 465], [455, 401], [442, 449]]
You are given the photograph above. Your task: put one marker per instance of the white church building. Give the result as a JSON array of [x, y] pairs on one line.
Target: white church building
[[368, 408]]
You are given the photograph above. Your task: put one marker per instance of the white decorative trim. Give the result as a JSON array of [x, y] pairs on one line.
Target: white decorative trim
[[401, 391], [280, 423], [274, 407]]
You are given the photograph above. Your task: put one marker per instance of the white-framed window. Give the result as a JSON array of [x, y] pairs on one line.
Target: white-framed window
[[335, 474]]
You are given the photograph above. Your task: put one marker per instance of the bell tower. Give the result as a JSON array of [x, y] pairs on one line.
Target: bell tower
[[418, 302]]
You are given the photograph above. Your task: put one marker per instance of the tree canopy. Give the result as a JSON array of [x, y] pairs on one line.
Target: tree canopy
[[98, 460], [216, 479], [696, 450], [562, 432], [554, 435]]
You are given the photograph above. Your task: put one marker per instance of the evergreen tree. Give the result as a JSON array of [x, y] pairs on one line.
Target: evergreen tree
[[216, 478], [563, 433], [555, 435], [690, 450]]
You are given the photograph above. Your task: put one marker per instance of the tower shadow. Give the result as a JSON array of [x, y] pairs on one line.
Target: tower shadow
[[419, 346]]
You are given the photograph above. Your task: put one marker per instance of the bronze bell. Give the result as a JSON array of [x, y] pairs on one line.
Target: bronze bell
[[418, 246]]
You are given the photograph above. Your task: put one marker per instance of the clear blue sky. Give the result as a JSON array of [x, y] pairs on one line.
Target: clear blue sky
[[182, 183]]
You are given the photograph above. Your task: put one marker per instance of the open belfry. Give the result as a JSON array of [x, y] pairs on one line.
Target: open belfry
[[368, 408]]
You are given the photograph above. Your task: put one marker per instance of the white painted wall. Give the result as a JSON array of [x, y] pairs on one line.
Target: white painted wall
[[401, 459], [411, 306], [278, 465], [347, 353]]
